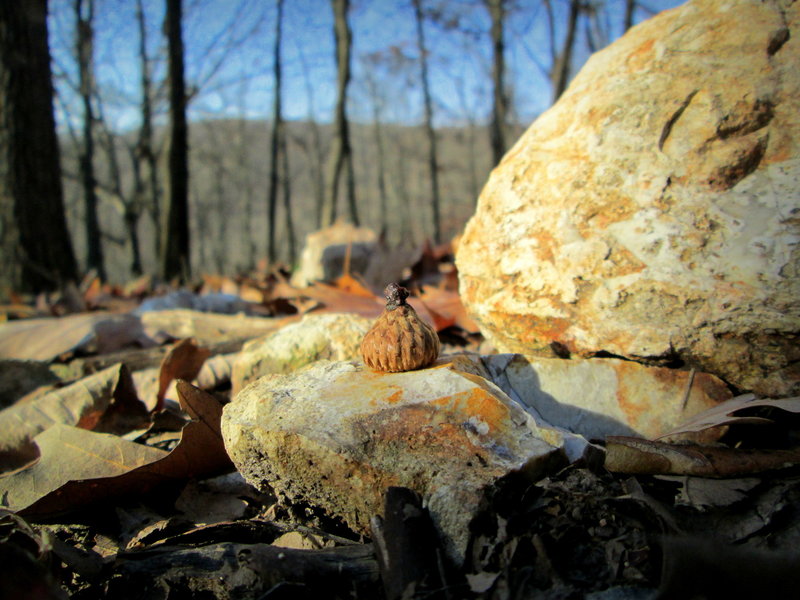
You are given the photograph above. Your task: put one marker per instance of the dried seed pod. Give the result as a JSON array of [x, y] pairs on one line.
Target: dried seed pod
[[399, 340]]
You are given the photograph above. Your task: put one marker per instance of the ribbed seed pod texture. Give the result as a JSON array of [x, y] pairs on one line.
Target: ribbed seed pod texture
[[400, 341]]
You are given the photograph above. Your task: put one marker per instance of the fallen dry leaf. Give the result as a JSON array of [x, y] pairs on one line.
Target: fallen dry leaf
[[69, 455], [20, 377], [335, 300], [639, 456], [351, 285], [367, 304], [183, 361], [47, 339], [448, 304], [207, 328], [725, 414], [105, 401], [79, 467]]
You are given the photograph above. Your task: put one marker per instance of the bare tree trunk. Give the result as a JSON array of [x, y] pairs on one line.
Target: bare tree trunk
[[377, 132], [433, 161], [175, 231], [561, 68], [128, 206], [35, 248], [630, 7], [245, 179], [314, 150], [275, 141], [497, 129], [472, 154], [341, 156], [286, 186], [84, 45], [147, 197]]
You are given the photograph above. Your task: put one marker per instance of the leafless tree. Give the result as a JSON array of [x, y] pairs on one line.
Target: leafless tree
[[175, 230], [433, 161], [278, 149], [372, 63], [341, 155], [84, 50], [313, 147], [145, 156], [35, 248], [630, 7], [497, 127], [562, 63]]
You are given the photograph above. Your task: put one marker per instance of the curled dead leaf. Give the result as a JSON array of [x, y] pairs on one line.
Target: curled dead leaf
[[639, 456], [183, 361], [78, 468], [105, 401]]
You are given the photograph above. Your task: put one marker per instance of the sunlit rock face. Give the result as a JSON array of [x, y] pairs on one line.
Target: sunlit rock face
[[337, 434], [654, 211]]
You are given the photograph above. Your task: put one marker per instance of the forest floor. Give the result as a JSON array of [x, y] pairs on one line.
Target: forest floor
[[111, 494]]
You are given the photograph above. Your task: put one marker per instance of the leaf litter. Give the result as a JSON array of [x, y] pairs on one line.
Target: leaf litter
[[128, 479]]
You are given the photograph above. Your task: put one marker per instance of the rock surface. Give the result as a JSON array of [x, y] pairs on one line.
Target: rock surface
[[654, 211], [603, 396], [323, 255], [336, 435], [317, 337]]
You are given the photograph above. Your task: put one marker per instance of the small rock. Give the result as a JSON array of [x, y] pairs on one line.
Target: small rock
[[323, 256], [336, 435], [301, 541], [316, 337]]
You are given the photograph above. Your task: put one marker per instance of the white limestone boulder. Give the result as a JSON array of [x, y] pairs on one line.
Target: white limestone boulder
[[654, 211]]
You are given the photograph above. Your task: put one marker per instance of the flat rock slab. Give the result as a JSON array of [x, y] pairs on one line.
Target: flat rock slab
[[336, 435], [603, 396]]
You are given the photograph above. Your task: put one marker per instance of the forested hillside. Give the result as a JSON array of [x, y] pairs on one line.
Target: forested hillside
[[229, 162], [205, 136]]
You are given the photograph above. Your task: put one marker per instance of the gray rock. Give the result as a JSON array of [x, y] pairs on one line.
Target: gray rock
[[336, 435], [603, 396], [323, 255], [316, 337]]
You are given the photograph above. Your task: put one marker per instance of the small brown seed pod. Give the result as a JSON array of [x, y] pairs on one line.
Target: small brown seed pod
[[399, 340]]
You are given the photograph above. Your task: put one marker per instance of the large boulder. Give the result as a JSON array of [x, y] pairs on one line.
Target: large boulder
[[654, 211]]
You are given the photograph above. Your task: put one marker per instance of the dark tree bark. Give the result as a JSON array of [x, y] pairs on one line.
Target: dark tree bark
[[561, 68], [497, 128], [35, 248], [341, 156], [146, 190], [433, 159], [84, 46], [373, 86], [314, 150], [286, 187], [175, 230], [277, 143], [630, 7]]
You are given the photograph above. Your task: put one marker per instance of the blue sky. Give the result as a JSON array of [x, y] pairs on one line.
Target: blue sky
[[229, 56]]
